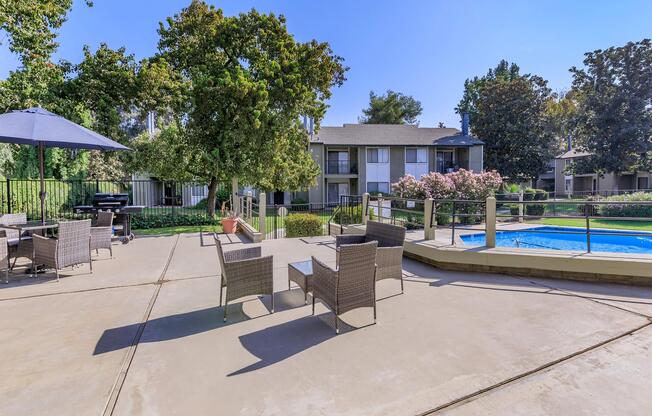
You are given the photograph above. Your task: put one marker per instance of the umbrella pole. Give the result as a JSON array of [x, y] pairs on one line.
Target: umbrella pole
[[41, 150]]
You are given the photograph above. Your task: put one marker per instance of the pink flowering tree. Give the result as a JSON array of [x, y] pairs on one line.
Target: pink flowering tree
[[460, 185]]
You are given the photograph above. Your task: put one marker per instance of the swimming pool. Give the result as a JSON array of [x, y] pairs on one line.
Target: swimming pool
[[547, 237]]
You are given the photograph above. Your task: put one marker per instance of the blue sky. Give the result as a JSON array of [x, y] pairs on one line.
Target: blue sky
[[422, 48]]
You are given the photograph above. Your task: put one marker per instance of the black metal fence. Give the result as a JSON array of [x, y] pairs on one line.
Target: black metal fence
[[159, 198]]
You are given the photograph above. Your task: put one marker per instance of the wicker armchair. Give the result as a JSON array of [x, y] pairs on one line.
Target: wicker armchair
[[70, 248], [244, 272], [102, 232], [25, 248], [352, 285], [390, 248], [4, 257]]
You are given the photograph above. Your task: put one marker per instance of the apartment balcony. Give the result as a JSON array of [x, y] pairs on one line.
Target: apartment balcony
[[341, 168]]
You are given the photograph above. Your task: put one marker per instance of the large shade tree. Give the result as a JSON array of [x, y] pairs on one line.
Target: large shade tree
[[236, 89], [614, 117], [508, 112], [391, 108]]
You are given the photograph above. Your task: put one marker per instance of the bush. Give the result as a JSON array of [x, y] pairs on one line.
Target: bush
[[221, 195], [627, 210], [351, 215], [535, 195], [169, 220], [303, 225]]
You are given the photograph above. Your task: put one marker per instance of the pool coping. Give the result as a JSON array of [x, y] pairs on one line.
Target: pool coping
[[628, 268]]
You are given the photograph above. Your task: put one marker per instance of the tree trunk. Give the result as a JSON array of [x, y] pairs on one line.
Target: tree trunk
[[212, 194]]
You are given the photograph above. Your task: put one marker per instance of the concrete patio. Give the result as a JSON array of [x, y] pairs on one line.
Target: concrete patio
[[144, 335]]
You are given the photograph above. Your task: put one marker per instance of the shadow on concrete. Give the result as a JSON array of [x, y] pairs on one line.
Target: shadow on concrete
[[190, 323], [279, 342]]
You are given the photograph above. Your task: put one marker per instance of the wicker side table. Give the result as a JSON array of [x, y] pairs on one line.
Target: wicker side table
[[301, 274]]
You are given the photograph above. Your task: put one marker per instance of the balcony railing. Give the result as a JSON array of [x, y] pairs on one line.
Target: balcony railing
[[339, 167]]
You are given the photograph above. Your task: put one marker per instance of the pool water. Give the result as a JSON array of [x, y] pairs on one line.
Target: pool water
[[553, 238]]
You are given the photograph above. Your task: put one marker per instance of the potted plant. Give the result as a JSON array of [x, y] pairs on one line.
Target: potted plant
[[229, 222]]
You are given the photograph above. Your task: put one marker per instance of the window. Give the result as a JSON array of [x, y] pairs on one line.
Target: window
[[377, 155], [376, 187], [567, 185], [416, 155]]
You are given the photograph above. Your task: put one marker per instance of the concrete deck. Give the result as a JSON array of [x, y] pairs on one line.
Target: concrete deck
[[144, 335]]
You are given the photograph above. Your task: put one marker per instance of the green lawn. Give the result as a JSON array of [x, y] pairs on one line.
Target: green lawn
[[179, 229], [598, 223]]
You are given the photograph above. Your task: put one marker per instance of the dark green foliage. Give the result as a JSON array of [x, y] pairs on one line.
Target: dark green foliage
[[351, 215], [391, 108], [627, 210], [169, 220], [614, 118], [535, 195], [222, 195], [303, 225], [508, 111]]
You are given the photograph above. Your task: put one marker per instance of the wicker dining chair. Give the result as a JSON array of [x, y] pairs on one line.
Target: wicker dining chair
[[19, 245], [352, 285], [71, 247], [102, 232], [390, 240], [244, 272], [4, 257]]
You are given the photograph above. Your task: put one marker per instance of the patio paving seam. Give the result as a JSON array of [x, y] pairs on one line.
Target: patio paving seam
[[131, 352], [522, 376], [603, 302]]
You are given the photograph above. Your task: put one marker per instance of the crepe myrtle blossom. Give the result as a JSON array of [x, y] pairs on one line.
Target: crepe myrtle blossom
[[462, 184]]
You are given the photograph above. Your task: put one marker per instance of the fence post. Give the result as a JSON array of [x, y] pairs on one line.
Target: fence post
[[248, 208], [429, 227], [365, 208], [262, 213], [235, 207], [587, 214], [490, 222], [8, 196], [520, 206], [379, 214]]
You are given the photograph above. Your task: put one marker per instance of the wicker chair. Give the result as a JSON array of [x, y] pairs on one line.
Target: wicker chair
[[4, 257], [102, 232], [390, 248], [71, 247], [352, 285], [25, 248], [244, 272]]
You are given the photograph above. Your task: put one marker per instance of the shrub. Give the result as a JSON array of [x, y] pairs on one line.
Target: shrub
[[462, 184], [535, 195], [627, 210], [169, 220], [303, 225], [351, 215], [222, 195]]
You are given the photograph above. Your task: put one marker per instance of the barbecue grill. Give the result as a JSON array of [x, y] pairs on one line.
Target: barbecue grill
[[119, 205]]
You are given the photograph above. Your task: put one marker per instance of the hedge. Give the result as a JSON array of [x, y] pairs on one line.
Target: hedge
[[169, 220], [303, 225], [351, 215], [627, 210]]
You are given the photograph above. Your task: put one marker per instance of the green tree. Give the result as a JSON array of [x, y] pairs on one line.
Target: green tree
[[391, 108], [508, 112], [614, 117], [242, 84], [561, 111]]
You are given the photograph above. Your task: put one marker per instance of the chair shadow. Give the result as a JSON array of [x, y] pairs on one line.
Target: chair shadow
[[277, 343], [191, 323]]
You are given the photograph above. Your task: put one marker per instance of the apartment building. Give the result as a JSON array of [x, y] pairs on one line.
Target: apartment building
[[358, 158], [582, 183]]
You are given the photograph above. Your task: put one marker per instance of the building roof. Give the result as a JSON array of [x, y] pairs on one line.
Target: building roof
[[573, 153], [392, 134]]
